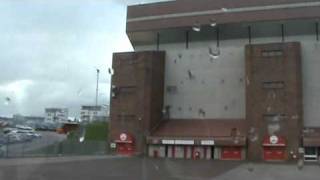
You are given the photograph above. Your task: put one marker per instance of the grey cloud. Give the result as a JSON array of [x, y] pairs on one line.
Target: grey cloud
[[57, 46]]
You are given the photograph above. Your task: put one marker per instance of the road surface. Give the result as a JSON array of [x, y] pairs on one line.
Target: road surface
[[115, 168]]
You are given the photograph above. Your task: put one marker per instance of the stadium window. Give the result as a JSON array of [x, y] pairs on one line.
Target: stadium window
[[311, 154]]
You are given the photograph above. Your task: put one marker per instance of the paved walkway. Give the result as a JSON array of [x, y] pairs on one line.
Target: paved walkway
[[273, 172], [119, 168]]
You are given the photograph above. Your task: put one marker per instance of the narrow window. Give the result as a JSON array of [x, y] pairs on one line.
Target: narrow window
[[127, 89], [272, 53], [273, 85]]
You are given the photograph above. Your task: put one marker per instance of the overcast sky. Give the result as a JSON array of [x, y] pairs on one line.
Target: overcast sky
[[49, 50]]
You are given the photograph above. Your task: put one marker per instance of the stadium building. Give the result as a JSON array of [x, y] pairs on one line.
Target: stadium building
[[217, 79]]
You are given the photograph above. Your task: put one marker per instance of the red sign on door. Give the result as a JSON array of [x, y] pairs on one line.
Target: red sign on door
[[125, 144]]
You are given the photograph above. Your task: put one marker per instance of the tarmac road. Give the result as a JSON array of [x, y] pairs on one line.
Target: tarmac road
[[117, 168]]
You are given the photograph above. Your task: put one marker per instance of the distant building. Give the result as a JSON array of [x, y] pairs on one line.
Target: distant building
[[17, 118], [4, 121], [56, 114], [93, 113], [34, 119]]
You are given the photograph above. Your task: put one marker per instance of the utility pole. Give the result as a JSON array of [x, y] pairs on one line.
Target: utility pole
[[97, 89]]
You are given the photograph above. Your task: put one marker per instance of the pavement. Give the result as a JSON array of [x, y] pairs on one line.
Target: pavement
[[273, 172], [122, 168]]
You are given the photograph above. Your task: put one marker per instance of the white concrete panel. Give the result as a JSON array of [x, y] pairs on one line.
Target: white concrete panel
[[217, 153], [217, 87], [179, 152], [189, 152], [208, 152], [160, 150], [243, 154], [311, 83], [310, 78], [170, 154]]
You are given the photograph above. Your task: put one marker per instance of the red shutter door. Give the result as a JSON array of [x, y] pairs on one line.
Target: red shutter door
[[274, 153], [231, 153], [125, 149]]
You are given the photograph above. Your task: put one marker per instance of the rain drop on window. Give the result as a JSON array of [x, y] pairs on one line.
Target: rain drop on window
[[213, 23], [110, 71], [236, 140], [214, 53], [79, 92], [224, 9], [7, 101], [196, 27], [300, 164], [252, 134], [250, 167], [82, 134]]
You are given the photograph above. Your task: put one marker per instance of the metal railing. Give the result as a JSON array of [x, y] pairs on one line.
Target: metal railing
[[64, 148]]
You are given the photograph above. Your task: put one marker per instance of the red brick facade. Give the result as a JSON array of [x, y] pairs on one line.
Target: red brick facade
[[137, 95]]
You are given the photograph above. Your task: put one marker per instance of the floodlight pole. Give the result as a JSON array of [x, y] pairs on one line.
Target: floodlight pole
[[97, 88]]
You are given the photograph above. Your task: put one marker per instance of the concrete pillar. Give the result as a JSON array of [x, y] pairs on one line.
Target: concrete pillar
[[170, 151], [243, 153]]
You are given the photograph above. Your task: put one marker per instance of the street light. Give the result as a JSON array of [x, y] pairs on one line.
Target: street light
[[97, 88]]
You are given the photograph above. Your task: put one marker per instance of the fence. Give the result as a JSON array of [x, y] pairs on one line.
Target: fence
[[64, 148]]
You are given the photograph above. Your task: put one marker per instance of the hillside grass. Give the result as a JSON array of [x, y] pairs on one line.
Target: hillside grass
[[97, 131]]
